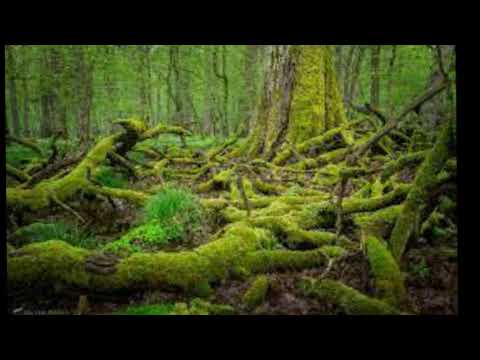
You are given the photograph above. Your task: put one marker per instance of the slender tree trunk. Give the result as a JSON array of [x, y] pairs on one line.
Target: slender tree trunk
[[247, 105], [348, 70], [208, 122], [391, 68], [357, 66], [144, 72], [58, 107], [109, 86], [177, 94], [223, 77], [26, 109], [86, 89], [12, 89], [375, 76], [225, 91]]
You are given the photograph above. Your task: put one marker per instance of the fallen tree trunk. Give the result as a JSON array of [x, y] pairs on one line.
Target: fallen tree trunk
[[67, 187], [241, 251], [425, 181]]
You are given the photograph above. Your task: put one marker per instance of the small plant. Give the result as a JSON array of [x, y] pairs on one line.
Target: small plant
[[168, 217], [173, 202]]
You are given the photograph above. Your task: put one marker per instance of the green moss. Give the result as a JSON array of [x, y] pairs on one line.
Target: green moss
[[10, 248], [323, 214], [133, 196], [389, 281], [286, 226], [240, 250], [316, 102], [266, 261], [379, 222], [256, 293], [401, 162], [200, 305], [51, 261], [64, 188], [347, 299], [219, 182], [423, 184], [446, 205], [134, 124], [153, 309]]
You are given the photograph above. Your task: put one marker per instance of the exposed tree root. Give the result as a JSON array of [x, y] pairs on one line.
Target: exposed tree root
[[348, 300]]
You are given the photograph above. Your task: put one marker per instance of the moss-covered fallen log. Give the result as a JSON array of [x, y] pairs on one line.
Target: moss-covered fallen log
[[389, 281], [65, 188], [348, 300], [241, 250], [332, 139], [424, 183], [402, 162]]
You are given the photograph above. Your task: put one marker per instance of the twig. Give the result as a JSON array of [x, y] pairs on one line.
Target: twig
[[67, 208]]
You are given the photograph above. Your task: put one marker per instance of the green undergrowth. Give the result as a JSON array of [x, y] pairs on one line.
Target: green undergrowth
[[154, 309], [108, 177], [195, 307], [19, 155], [39, 232], [170, 216]]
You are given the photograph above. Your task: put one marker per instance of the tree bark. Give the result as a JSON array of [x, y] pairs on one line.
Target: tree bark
[[26, 109], [222, 75], [375, 76], [421, 188], [85, 89], [247, 105], [297, 104]]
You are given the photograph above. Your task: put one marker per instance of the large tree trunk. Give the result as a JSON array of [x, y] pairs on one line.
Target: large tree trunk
[[12, 89], [300, 99]]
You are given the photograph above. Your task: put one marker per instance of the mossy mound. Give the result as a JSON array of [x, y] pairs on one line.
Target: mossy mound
[[257, 292]]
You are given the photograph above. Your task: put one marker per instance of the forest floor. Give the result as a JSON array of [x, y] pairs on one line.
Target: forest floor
[[430, 278]]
